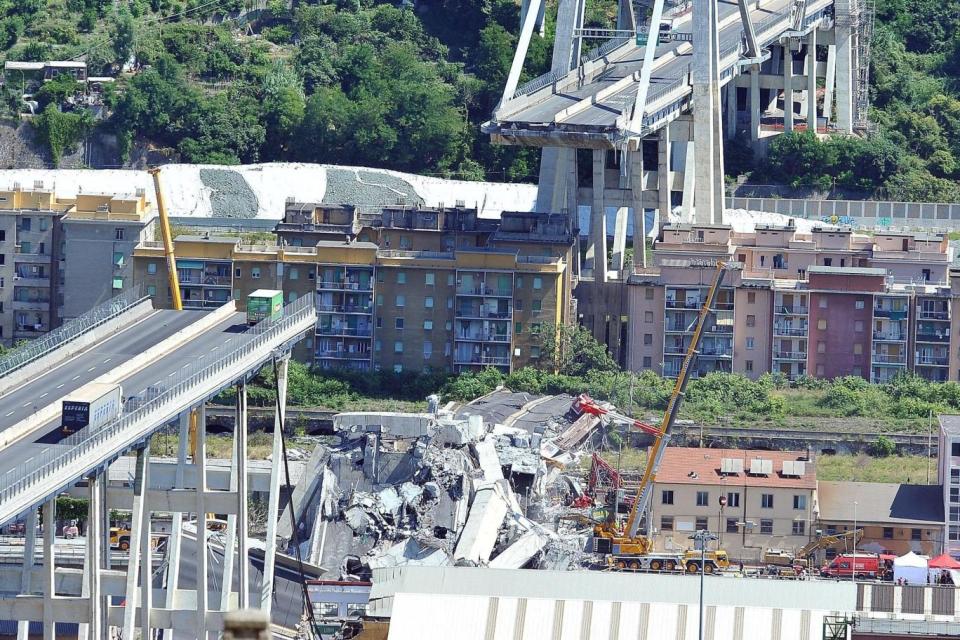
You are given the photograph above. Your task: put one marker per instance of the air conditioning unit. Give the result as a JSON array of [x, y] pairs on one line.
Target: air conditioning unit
[[761, 467], [731, 465], [794, 468]]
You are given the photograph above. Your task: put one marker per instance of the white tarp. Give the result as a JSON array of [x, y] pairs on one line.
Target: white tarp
[[911, 568]]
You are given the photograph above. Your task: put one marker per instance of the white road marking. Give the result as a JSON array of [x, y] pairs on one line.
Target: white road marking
[[9, 414], [172, 374], [43, 395], [27, 404], [107, 360], [74, 377], [91, 369], [59, 385]]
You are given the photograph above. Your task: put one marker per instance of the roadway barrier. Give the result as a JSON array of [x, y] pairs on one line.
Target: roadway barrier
[[59, 466]]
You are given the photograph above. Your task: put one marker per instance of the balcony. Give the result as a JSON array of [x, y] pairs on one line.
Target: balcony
[[344, 308], [886, 336], [887, 359], [924, 359], [483, 337], [342, 355], [791, 310], [933, 315], [483, 314], [933, 337], [796, 332], [31, 281], [346, 285], [678, 328], [715, 353], [674, 351], [790, 355], [484, 292], [360, 332], [213, 280], [683, 304], [893, 314], [31, 305], [29, 330], [495, 361], [31, 258]]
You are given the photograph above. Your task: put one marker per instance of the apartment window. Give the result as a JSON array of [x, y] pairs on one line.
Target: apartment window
[[236, 272], [449, 279], [701, 524], [647, 362], [398, 368], [3, 235], [427, 350], [25, 224], [398, 346], [118, 283], [666, 497], [822, 302], [518, 328], [766, 500], [888, 533], [536, 306], [858, 325], [648, 338], [401, 301], [915, 534], [428, 302], [534, 352], [954, 494], [954, 514], [799, 528], [821, 346], [378, 345], [151, 290], [401, 277], [766, 527], [405, 242], [255, 273], [858, 304], [751, 321], [750, 344], [732, 525], [733, 499], [751, 297], [749, 365], [703, 498], [310, 274], [857, 371], [955, 449], [648, 316], [857, 348], [379, 299], [3, 259], [292, 296], [822, 324], [118, 233], [293, 273], [379, 276], [799, 501], [648, 293], [820, 370], [954, 476], [379, 322], [151, 268], [666, 523], [537, 282], [398, 323], [428, 325], [25, 247], [518, 282], [518, 305], [428, 279], [535, 327]]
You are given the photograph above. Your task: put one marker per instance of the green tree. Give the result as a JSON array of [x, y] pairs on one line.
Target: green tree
[[123, 34], [572, 350], [61, 132], [284, 107]]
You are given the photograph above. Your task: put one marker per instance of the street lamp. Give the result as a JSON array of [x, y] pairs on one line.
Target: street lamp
[[701, 539], [853, 565]]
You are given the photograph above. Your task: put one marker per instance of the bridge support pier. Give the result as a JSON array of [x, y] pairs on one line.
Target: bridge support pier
[[812, 81], [29, 554], [787, 85], [273, 502], [639, 216], [200, 462], [597, 244], [844, 61], [49, 569], [96, 628], [831, 80], [755, 106], [139, 557], [664, 182], [172, 577], [619, 239]]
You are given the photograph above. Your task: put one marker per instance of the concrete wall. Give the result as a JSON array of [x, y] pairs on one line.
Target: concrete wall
[[868, 213], [838, 357]]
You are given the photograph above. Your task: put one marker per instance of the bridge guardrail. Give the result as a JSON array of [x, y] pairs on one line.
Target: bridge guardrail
[[54, 339], [83, 443]]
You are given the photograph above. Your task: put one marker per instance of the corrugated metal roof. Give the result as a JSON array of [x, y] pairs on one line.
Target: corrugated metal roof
[[884, 502]]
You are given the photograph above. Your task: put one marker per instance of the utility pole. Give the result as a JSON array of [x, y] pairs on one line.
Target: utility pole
[[701, 538]]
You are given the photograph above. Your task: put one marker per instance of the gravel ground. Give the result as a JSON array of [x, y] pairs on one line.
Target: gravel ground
[[368, 188], [230, 195]]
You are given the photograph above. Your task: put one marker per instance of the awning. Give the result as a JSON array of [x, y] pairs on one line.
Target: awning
[[189, 264], [943, 561]]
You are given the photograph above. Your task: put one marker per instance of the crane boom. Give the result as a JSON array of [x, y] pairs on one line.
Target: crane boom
[[662, 435], [167, 242]]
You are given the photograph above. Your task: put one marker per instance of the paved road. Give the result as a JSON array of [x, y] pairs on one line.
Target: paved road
[[206, 347]]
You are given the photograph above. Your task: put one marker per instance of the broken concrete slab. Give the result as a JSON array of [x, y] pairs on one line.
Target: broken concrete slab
[[479, 534], [520, 551], [395, 425]]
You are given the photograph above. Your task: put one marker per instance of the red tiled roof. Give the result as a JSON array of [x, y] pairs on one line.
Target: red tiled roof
[[685, 465]]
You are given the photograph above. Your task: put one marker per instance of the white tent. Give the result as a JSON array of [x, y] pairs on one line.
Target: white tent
[[911, 567]]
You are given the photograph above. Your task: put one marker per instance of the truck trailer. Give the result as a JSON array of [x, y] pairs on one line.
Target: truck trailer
[[92, 405], [263, 304]]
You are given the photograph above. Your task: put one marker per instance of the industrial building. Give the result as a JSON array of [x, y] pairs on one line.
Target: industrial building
[[402, 289], [59, 257]]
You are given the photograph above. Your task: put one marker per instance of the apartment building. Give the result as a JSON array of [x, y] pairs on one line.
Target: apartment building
[[948, 476], [59, 256], [824, 303], [403, 288], [769, 499]]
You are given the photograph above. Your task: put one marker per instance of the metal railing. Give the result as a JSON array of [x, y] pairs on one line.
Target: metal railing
[[882, 358], [93, 447], [539, 83], [56, 338]]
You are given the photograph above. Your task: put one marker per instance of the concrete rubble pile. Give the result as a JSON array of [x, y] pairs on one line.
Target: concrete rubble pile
[[434, 489]]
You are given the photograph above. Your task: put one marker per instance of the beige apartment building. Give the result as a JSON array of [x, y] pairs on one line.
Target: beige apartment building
[[59, 257], [825, 303], [770, 499], [402, 289]]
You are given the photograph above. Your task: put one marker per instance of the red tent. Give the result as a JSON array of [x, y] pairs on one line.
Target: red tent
[[943, 561]]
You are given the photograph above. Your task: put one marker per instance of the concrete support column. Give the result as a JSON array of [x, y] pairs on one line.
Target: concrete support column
[[690, 180], [172, 577], [230, 543], [731, 110], [845, 72], [830, 82], [597, 249], [95, 533], [639, 217], [619, 239], [273, 503], [243, 491], [139, 516], [29, 554], [707, 128], [755, 104], [787, 87], [49, 569], [200, 462], [812, 81], [664, 181]]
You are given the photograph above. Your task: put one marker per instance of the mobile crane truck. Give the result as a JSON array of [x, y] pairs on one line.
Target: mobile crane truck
[[626, 547]]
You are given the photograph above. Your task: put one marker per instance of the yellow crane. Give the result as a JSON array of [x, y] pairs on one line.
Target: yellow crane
[[167, 242], [625, 547]]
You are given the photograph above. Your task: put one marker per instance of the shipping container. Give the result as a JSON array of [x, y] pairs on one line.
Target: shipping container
[[92, 405], [263, 304]]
